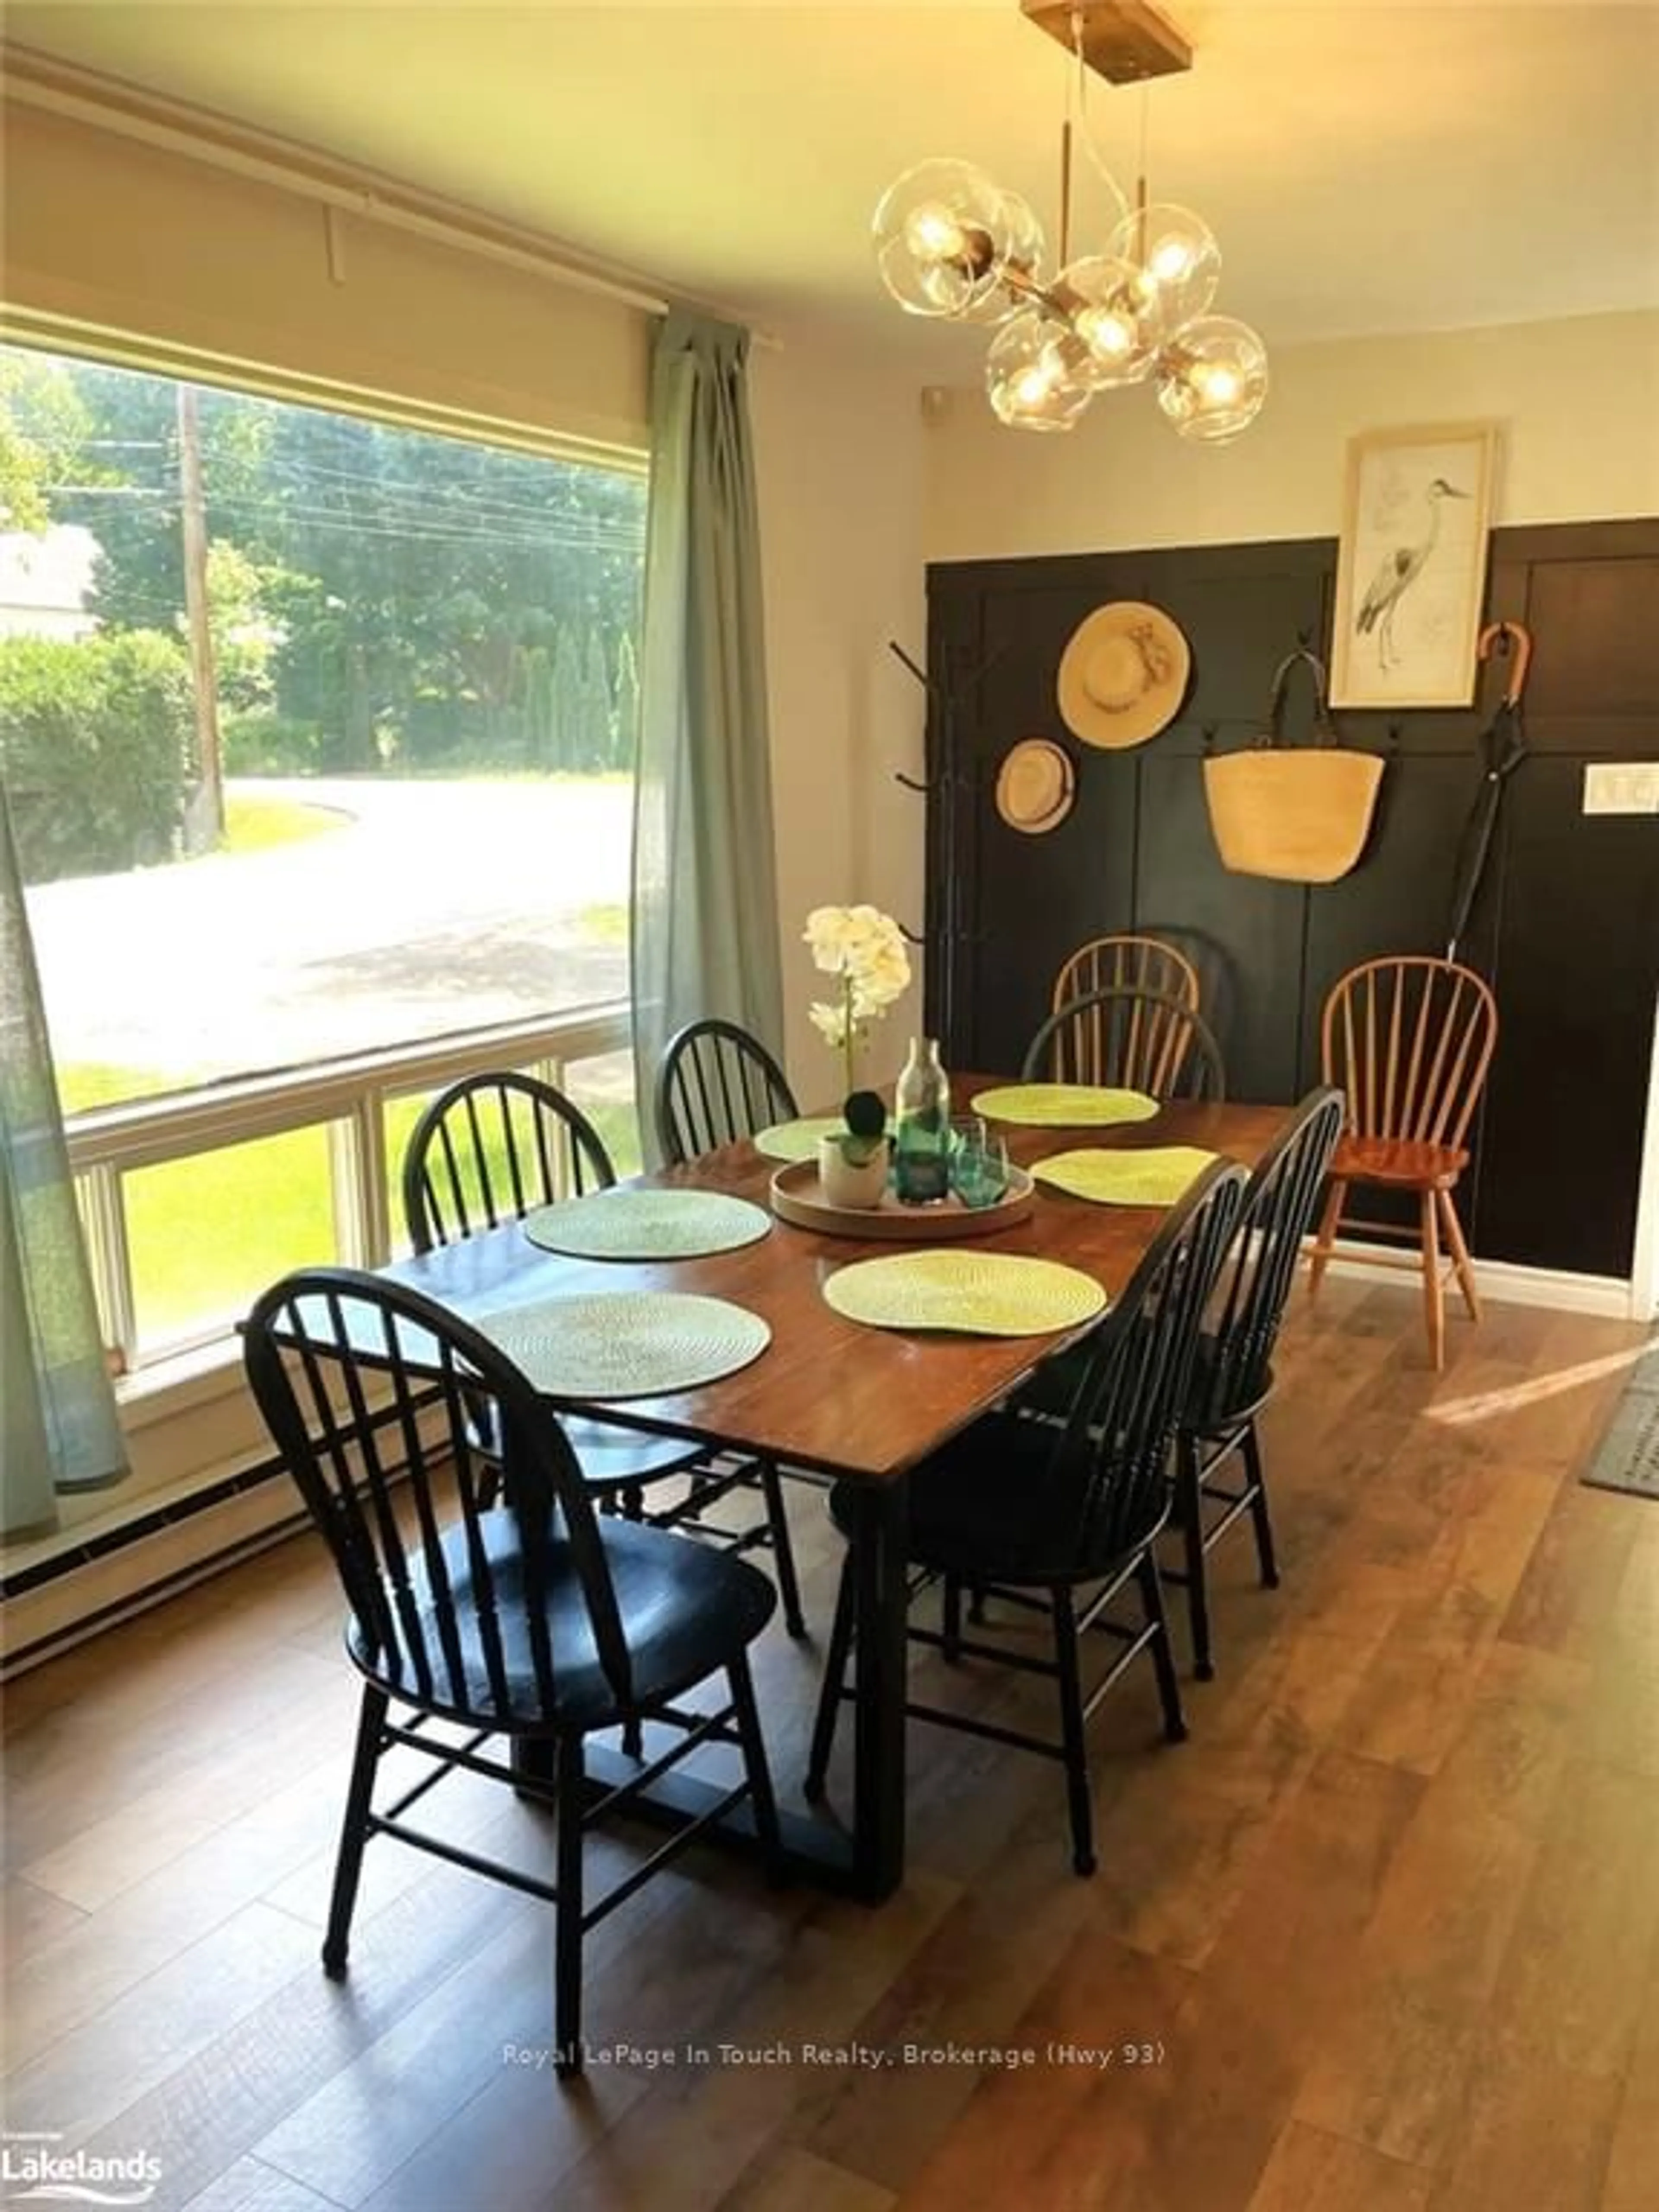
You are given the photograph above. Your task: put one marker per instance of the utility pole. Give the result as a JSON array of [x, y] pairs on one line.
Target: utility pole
[[205, 824]]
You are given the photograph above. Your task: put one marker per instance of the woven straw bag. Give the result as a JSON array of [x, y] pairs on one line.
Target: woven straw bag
[[1300, 814]]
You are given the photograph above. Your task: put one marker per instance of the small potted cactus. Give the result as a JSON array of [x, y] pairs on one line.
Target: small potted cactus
[[853, 1162]]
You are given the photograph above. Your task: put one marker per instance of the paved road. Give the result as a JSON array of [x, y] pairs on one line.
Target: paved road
[[437, 906]]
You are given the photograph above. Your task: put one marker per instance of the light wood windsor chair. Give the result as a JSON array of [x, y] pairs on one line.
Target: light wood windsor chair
[[1147, 1041], [1126, 963], [1408, 1041]]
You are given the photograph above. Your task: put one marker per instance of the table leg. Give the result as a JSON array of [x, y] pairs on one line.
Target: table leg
[[870, 1864], [879, 1661]]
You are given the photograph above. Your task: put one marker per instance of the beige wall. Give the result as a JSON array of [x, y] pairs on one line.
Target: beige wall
[[838, 454], [1578, 403]]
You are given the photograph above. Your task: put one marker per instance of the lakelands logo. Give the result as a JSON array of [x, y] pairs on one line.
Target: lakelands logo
[[34, 2174]]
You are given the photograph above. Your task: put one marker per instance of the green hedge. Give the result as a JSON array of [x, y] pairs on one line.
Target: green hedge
[[96, 736], [261, 742]]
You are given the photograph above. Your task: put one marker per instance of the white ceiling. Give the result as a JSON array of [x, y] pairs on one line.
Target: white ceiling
[[1367, 168]]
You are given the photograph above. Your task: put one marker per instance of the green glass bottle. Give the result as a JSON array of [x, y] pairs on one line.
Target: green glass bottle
[[921, 1135]]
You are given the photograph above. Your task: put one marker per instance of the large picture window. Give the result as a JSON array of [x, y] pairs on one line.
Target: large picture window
[[318, 734]]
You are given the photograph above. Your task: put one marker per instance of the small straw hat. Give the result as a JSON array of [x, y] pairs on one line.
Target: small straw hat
[[1035, 785]]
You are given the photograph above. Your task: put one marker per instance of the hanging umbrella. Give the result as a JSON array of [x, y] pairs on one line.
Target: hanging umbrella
[[1504, 747]]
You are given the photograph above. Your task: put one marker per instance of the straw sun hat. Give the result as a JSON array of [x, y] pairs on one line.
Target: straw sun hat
[[1035, 785], [1123, 675]]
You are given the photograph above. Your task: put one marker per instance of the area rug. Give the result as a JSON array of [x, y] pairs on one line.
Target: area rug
[[1627, 1457]]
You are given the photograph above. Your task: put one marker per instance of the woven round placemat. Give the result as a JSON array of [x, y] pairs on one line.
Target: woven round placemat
[[797, 1140], [1156, 1176], [983, 1293], [647, 1224], [628, 1344], [1063, 1105]]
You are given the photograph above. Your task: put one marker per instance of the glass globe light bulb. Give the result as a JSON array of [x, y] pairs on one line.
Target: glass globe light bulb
[[1108, 317], [931, 233], [1022, 259], [942, 233], [1212, 378], [1178, 260], [1030, 373]]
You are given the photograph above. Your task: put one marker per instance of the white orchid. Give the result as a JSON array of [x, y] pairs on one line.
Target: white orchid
[[867, 949]]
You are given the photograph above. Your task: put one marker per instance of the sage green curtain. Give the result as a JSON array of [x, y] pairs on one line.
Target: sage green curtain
[[704, 932], [59, 1428]]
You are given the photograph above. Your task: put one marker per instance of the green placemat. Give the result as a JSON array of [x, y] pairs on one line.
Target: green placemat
[[986, 1294], [797, 1140], [630, 1344], [1063, 1105], [647, 1224], [1156, 1176]]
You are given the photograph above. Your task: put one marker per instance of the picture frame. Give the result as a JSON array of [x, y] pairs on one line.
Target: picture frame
[[1411, 567]]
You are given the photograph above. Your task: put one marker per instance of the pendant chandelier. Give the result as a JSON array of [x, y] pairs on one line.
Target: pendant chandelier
[[951, 244]]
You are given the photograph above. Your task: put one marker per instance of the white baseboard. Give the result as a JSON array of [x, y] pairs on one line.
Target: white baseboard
[[1506, 1283]]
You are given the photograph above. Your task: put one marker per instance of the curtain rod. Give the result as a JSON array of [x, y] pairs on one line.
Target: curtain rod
[[199, 134]]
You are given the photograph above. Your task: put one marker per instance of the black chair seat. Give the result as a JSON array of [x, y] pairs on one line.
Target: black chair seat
[[993, 1506], [686, 1610]]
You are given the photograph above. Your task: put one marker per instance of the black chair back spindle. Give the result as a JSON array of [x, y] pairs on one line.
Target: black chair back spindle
[[1116, 1443], [1255, 1282], [1151, 1041], [490, 1148], [717, 1084], [369, 1389]]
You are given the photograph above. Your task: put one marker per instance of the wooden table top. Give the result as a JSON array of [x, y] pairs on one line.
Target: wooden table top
[[830, 1394]]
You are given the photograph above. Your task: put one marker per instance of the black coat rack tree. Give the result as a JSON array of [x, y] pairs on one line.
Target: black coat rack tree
[[946, 778]]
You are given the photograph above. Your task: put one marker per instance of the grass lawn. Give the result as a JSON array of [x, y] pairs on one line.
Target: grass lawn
[[252, 824], [207, 1234]]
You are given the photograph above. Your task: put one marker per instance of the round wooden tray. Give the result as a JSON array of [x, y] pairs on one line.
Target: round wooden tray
[[798, 1197]]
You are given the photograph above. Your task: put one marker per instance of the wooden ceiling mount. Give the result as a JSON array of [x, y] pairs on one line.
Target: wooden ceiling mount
[[1123, 40]]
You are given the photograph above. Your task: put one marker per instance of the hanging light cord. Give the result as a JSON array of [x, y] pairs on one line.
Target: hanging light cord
[[1078, 103]]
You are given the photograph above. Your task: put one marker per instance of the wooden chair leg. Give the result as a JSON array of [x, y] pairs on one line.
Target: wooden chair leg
[[1072, 1730], [783, 1552], [1189, 1513], [758, 1773], [1168, 1688], [1329, 1221], [834, 1676], [950, 1618], [1250, 1452], [354, 1831], [1460, 1252], [1434, 1294], [568, 1913]]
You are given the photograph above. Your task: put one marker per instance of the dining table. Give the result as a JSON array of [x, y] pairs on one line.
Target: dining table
[[832, 1398]]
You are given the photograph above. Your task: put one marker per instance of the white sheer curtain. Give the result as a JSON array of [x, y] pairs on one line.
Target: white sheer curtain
[[705, 905], [59, 1428]]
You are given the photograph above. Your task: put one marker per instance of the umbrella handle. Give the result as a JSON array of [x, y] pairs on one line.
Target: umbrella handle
[[1500, 633]]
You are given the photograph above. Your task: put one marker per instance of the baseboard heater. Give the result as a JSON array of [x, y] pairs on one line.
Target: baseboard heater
[[167, 1584], [167, 1581]]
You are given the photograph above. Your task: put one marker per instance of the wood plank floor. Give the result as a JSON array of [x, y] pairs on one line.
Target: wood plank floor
[[1383, 1936]]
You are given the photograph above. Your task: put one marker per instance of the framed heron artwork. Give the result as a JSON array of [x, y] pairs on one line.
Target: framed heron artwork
[[1411, 567]]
